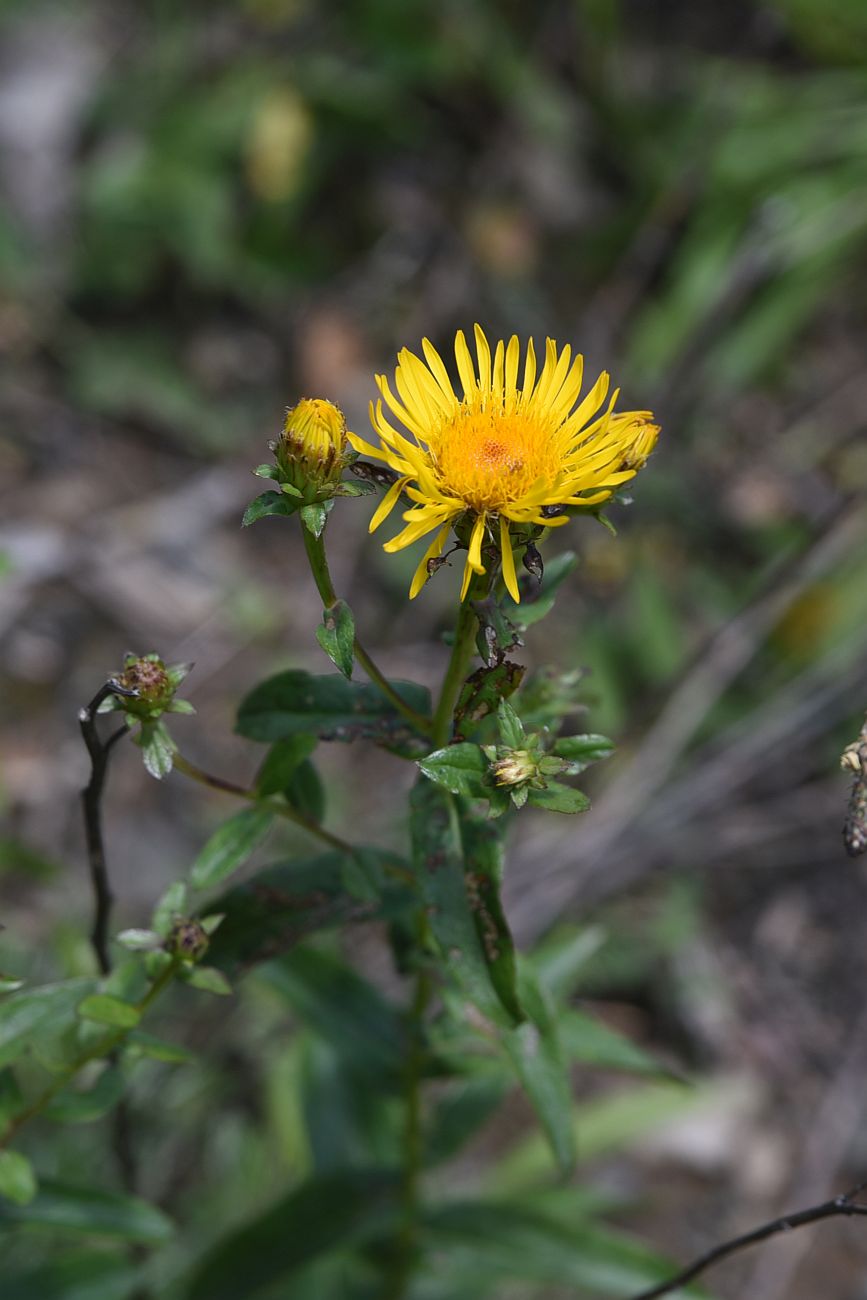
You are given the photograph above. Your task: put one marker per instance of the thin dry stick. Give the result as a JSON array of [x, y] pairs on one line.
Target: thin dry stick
[[91, 800], [844, 1205]]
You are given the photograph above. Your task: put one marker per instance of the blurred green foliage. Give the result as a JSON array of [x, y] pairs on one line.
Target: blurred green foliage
[[682, 187]]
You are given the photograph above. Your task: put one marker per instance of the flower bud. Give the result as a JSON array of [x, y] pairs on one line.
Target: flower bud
[[187, 940], [642, 443], [148, 677], [515, 767], [313, 441]]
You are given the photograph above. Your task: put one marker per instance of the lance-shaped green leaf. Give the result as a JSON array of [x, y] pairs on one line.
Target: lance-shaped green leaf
[[513, 1240], [270, 503], [74, 1106], [594, 1043], [11, 1097], [532, 611], [536, 1053], [580, 751], [557, 797], [460, 1113], [329, 707], [483, 690], [17, 1179], [331, 1211], [106, 1010], [277, 907], [511, 727], [483, 870], [172, 905], [85, 1212], [315, 516], [342, 1007], [46, 1010], [157, 748], [306, 792], [208, 979], [230, 846], [139, 1043], [287, 770], [439, 867], [460, 769], [79, 1274], [497, 634], [281, 762], [336, 635]]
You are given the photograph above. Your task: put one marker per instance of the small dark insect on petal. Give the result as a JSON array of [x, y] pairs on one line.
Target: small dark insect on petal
[[551, 512], [533, 562], [374, 473]]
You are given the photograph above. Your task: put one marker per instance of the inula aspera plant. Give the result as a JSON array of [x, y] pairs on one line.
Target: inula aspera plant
[[486, 472]]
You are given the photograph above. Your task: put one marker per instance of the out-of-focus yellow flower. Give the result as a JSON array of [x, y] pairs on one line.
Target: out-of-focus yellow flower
[[512, 453], [313, 439], [279, 145]]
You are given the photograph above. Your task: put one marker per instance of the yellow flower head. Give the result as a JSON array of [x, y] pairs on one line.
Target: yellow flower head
[[314, 436], [511, 450]]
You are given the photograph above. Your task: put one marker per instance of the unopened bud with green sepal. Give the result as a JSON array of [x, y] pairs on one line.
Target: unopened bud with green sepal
[[146, 691], [310, 457]]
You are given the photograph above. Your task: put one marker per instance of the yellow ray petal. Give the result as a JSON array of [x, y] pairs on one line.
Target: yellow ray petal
[[509, 576], [510, 381], [483, 353], [553, 377], [387, 504], [422, 387], [438, 370], [414, 420], [365, 448], [468, 577], [465, 366], [497, 386], [420, 576], [474, 553], [591, 403]]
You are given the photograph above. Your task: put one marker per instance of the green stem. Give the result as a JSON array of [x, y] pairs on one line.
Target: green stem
[[413, 1143], [315, 548], [95, 1052], [275, 805], [456, 673]]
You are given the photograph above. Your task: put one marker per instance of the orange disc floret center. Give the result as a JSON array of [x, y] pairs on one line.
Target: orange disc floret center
[[490, 459]]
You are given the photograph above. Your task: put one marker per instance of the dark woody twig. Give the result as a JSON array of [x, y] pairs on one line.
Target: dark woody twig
[[91, 799], [844, 1205]]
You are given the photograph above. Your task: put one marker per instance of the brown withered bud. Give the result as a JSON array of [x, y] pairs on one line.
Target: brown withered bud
[[187, 939], [533, 562]]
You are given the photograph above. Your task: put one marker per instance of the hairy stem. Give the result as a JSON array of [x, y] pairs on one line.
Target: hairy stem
[[315, 548], [244, 792], [104, 1047], [456, 673]]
